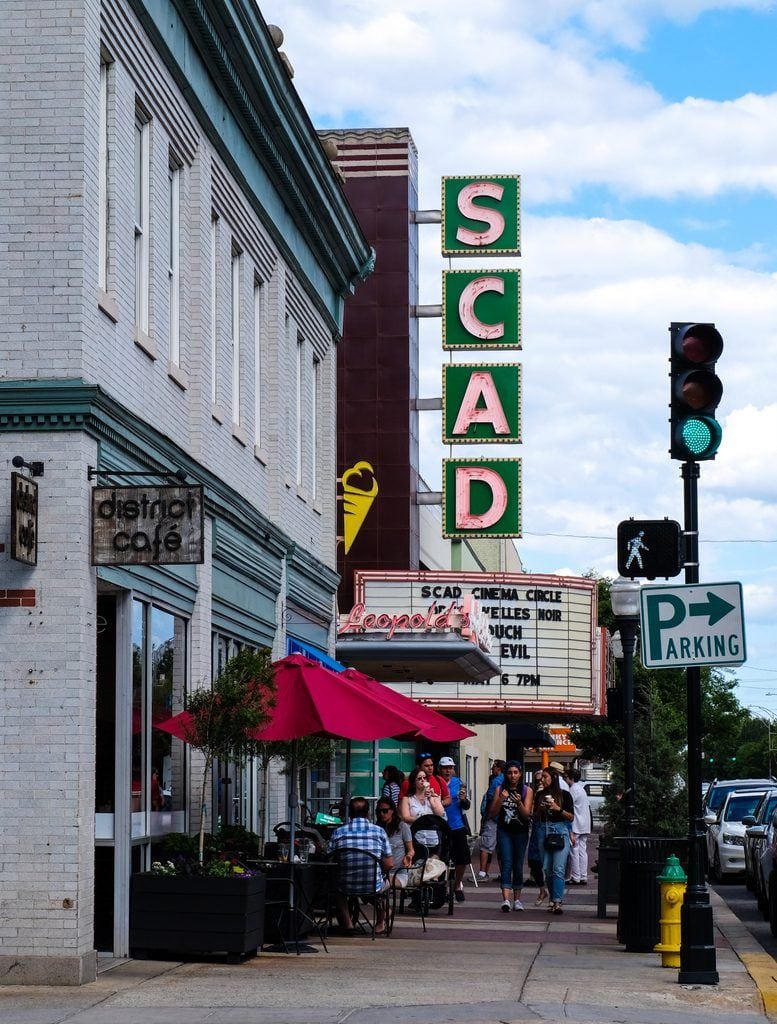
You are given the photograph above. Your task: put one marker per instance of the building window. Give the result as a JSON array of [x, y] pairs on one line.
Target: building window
[[213, 315], [258, 360], [235, 334], [298, 430], [104, 207], [159, 659], [314, 414], [142, 174], [174, 259]]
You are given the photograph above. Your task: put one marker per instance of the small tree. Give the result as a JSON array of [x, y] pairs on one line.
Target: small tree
[[223, 717]]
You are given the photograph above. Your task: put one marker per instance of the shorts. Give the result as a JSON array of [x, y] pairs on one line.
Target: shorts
[[488, 836], [459, 846]]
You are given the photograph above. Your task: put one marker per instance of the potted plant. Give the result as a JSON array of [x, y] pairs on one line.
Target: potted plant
[[190, 902]]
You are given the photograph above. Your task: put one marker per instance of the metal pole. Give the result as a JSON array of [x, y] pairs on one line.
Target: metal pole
[[628, 631], [697, 939]]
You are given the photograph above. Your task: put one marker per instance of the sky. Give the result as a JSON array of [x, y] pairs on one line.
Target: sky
[[645, 134]]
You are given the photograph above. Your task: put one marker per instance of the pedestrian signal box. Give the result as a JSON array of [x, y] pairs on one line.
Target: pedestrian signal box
[[649, 548]]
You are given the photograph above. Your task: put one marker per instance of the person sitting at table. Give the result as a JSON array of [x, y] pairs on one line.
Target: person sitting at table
[[400, 839], [421, 800], [360, 833]]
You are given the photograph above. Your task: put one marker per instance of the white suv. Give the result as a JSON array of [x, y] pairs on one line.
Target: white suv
[[726, 833]]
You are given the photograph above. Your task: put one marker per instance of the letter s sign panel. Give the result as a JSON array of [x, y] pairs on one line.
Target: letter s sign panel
[[481, 214]]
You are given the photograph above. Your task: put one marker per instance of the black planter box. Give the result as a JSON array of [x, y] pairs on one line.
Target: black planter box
[[197, 914]]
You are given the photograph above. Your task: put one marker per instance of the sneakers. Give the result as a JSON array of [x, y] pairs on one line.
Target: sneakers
[[459, 894], [506, 907], [482, 875], [517, 905]]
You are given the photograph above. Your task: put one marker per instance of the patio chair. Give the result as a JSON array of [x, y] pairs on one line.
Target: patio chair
[[358, 872], [427, 894]]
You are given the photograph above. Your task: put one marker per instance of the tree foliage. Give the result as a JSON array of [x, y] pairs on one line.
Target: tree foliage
[[223, 717], [735, 745]]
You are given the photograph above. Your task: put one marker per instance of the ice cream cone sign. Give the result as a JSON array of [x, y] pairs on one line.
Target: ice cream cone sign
[[360, 489]]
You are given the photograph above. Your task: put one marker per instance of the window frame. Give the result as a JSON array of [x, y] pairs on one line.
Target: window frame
[[142, 225]]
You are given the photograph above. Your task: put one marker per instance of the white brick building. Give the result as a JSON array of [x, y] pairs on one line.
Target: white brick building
[[177, 254]]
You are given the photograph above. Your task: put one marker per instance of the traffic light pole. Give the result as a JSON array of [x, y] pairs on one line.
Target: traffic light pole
[[697, 939]]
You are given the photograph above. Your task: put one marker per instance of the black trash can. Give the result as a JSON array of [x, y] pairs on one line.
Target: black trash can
[[642, 859], [608, 878]]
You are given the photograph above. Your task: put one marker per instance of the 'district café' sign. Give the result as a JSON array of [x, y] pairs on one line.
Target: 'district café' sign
[[481, 309], [147, 525]]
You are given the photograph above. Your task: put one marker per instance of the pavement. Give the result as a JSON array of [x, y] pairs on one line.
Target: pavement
[[480, 966]]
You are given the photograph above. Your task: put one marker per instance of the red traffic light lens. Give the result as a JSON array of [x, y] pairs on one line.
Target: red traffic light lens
[[700, 343]]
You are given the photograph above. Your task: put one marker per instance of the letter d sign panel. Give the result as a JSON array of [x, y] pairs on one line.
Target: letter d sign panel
[[481, 498]]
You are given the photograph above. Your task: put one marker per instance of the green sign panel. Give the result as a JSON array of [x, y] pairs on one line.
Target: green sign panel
[[481, 403], [481, 309], [481, 215], [481, 498]]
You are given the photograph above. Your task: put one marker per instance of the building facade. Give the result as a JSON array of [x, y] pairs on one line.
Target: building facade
[[179, 254]]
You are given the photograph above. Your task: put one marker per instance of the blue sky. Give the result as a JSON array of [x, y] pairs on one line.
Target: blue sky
[[644, 133]]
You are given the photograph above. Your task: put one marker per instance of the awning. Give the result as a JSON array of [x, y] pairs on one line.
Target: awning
[[421, 657], [529, 735], [294, 646]]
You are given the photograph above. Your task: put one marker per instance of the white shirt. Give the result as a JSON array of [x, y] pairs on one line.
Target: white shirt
[[581, 823]]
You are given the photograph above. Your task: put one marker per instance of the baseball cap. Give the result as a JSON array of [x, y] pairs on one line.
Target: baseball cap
[[447, 762], [557, 765]]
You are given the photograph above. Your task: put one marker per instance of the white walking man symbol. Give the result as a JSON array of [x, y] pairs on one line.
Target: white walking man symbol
[[635, 545]]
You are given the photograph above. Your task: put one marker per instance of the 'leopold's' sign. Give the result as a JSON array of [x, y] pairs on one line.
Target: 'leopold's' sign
[[147, 525]]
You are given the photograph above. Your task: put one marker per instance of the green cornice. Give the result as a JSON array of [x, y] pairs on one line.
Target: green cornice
[[222, 57], [68, 405], [310, 584]]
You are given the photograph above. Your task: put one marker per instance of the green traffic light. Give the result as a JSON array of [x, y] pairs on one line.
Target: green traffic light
[[701, 436]]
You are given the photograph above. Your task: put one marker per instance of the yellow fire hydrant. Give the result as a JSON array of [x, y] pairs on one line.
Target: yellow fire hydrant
[[673, 881]]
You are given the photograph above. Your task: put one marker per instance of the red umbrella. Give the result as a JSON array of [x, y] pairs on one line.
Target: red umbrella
[[312, 700], [429, 723]]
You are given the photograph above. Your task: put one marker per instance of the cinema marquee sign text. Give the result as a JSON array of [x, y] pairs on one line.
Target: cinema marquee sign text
[[481, 401], [147, 525], [541, 629]]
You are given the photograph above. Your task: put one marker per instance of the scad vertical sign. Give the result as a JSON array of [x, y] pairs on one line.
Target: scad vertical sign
[[481, 310]]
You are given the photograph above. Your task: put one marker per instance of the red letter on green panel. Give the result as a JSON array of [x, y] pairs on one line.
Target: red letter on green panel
[[481, 215], [481, 309], [481, 498], [481, 403]]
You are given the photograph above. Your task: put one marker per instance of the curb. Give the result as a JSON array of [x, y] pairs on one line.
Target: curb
[[760, 965]]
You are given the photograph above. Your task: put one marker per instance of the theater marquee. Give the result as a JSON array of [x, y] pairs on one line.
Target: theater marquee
[[543, 630]]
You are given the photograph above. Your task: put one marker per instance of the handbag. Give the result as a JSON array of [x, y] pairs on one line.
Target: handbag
[[554, 841]]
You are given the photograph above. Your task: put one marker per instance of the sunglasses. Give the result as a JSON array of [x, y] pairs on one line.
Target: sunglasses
[[385, 810]]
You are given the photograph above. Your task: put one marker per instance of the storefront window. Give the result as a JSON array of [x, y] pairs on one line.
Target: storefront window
[[158, 692]]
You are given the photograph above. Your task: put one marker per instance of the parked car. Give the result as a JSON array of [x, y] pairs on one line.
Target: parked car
[[719, 790], [763, 869], [726, 833], [756, 825], [597, 791]]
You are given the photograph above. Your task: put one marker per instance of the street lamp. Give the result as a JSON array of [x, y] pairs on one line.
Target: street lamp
[[624, 596], [769, 721]]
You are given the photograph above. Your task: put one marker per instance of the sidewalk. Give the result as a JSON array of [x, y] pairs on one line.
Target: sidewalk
[[480, 967]]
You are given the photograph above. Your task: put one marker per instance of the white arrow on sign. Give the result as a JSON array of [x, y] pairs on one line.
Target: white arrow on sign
[[695, 624]]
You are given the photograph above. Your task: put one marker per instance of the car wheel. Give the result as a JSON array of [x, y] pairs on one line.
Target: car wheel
[[773, 906], [717, 874]]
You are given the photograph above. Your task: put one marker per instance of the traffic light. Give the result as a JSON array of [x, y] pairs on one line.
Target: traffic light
[[649, 548], [696, 391]]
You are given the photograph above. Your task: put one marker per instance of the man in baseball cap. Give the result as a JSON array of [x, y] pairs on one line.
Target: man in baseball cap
[[446, 766]]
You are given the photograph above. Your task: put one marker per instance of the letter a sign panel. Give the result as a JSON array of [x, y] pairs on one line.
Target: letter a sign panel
[[695, 624]]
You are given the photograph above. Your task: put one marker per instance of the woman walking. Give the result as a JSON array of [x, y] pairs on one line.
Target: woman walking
[[556, 813], [511, 807], [535, 853], [392, 783]]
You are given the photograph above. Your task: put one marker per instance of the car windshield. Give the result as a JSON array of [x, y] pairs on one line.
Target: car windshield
[[739, 806], [718, 794]]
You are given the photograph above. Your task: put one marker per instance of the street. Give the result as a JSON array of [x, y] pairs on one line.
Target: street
[[742, 903]]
